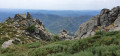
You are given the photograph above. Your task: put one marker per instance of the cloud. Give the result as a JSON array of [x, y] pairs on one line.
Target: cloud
[[59, 4]]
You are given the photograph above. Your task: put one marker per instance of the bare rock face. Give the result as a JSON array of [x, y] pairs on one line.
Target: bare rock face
[[36, 28], [117, 22], [108, 20], [64, 35], [87, 28]]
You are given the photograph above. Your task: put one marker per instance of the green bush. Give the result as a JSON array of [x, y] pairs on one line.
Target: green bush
[[48, 49], [83, 53], [105, 50], [34, 45], [103, 33], [78, 46], [60, 54], [31, 28], [55, 38], [11, 54], [100, 33], [111, 33]]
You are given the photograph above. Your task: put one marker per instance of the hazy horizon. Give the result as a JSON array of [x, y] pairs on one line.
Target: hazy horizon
[[59, 4], [49, 9]]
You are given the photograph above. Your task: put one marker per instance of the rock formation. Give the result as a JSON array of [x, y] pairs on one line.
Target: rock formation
[[64, 35], [107, 20], [37, 30]]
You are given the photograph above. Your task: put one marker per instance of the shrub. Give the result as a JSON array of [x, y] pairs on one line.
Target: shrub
[[31, 28], [11, 54], [48, 49], [78, 46], [34, 45], [83, 53], [104, 50], [100, 33], [59, 54], [55, 37], [96, 37], [111, 33], [14, 50]]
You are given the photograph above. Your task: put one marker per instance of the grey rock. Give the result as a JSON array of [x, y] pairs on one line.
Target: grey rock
[[29, 16], [17, 39], [38, 21], [104, 11], [87, 27], [104, 20], [117, 22], [64, 35], [16, 24], [7, 43], [19, 17]]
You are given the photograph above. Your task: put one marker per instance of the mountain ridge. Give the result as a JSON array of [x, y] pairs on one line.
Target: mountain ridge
[[52, 19]]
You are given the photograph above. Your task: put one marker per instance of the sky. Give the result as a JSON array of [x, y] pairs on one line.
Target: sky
[[59, 4]]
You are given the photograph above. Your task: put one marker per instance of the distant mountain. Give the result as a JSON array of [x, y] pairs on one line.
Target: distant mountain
[[71, 24], [54, 20]]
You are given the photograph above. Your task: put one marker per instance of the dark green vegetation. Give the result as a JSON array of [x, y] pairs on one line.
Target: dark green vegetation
[[101, 44], [54, 20], [55, 38], [31, 28]]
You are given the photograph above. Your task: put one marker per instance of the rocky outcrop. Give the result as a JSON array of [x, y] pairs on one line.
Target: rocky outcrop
[[64, 35], [37, 30], [107, 20]]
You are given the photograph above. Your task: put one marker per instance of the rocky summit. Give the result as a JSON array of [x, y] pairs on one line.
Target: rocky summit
[[107, 20], [24, 29]]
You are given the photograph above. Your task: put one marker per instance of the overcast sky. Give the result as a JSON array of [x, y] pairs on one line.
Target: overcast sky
[[59, 4]]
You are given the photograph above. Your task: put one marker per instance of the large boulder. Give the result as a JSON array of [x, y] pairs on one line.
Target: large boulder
[[19, 17], [7, 43]]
